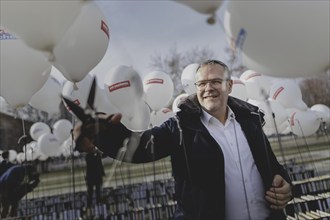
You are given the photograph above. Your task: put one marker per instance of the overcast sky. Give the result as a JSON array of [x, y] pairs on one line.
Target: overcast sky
[[139, 29]]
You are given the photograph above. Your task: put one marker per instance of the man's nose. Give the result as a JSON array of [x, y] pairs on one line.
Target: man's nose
[[208, 86]]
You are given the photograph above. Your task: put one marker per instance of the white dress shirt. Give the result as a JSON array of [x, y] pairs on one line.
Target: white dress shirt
[[245, 193]]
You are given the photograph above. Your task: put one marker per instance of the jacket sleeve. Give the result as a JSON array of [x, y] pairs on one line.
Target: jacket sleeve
[[150, 145], [111, 139], [158, 142]]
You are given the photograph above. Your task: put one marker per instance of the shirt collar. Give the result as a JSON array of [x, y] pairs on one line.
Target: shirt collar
[[206, 117]]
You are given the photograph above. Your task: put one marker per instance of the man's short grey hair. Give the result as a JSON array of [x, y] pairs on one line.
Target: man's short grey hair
[[212, 62]]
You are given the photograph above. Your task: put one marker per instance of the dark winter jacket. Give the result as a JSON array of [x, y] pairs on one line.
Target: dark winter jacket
[[197, 159], [17, 181]]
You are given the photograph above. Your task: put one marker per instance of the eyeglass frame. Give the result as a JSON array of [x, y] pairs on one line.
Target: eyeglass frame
[[211, 82]]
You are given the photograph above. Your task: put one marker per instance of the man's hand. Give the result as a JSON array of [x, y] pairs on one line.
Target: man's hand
[[279, 194], [82, 133]]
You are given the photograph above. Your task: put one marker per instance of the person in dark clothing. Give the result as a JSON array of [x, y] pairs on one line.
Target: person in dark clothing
[[94, 176], [5, 164], [16, 182], [222, 162]]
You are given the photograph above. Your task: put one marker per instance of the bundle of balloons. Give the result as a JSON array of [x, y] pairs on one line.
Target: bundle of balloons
[[68, 37], [47, 142]]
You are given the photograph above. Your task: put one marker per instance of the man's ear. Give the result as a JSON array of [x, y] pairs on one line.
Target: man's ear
[[230, 85]]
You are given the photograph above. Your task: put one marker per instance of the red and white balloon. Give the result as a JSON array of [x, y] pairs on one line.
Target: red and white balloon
[[158, 88]]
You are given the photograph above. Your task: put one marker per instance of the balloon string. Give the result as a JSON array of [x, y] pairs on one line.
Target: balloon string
[[23, 138], [324, 129], [296, 211], [72, 165], [308, 149], [304, 163], [118, 160], [152, 149], [278, 136]]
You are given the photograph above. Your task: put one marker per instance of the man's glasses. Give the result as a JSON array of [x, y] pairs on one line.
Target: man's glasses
[[215, 83]]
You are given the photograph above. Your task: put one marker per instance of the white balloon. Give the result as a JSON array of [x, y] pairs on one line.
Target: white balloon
[[65, 151], [158, 88], [29, 155], [30, 146], [284, 128], [12, 155], [304, 123], [177, 101], [160, 116], [123, 87], [275, 115], [280, 39], [20, 157], [257, 86], [38, 129], [23, 70], [140, 121], [322, 111], [204, 7], [288, 94], [78, 92], [66, 147], [42, 157], [62, 129], [45, 22], [83, 45], [239, 89], [32, 151], [49, 145], [68, 143], [48, 98], [102, 104], [290, 111], [188, 78]]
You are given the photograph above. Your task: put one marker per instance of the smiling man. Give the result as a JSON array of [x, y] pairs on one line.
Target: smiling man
[[222, 162]]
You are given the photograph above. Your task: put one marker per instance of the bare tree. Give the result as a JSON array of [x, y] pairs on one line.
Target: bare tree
[[234, 62], [316, 90], [174, 62]]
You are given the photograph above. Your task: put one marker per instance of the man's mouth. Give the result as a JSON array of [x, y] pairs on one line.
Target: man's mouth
[[209, 97]]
